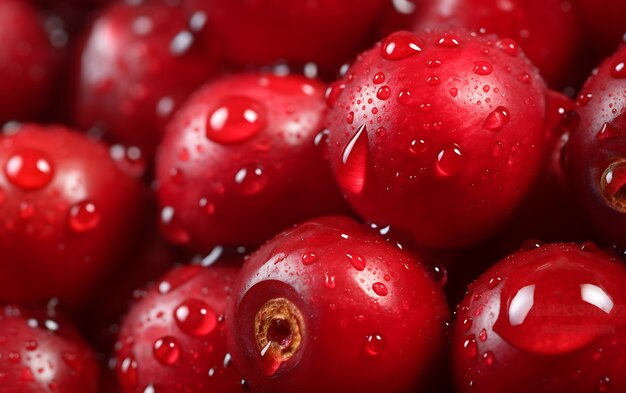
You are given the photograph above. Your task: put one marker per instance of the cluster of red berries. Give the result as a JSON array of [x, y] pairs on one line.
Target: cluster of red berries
[[197, 196]]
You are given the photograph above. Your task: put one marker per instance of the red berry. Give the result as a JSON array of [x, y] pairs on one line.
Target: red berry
[[331, 307], [438, 134], [137, 66], [596, 151], [325, 32], [240, 163], [28, 62], [548, 31], [174, 339], [67, 215], [548, 319], [41, 352]]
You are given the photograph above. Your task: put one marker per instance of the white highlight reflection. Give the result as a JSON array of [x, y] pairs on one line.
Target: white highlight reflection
[[521, 304], [596, 296]]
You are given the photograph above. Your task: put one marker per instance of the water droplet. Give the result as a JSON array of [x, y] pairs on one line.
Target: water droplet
[[488, 358], [508, 46], [195, 318], [181, 43], [379, 78], [308, 258], [482, 336], [380, 289], [356, 261], [400, 45], [494, 282], [352, 169], [454, 91], [604, 385], [418, 146], [482, 68], [497, 119], [404, 97], [172, 228], [127, 372], [84, 217], [607, 131], [467, 323], [433, 80], [450, 160], [448, 41], [166, 350], [383, 93], [29, 169], [333, 92], [329, 280], [613, 185], [235, 120], [251, 180], [374, 344], [569, 121], [31, 345], [470, 348], [584, 98], [618, 70]]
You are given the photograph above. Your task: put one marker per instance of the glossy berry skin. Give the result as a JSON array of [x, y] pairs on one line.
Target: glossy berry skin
[[28, 62], [67, 215], [330, 307], [240, 163], [548, 30], [438, 134], [548, 319], [174, 339], [42, 352], [325, 32], [136, 67], [596, 151]]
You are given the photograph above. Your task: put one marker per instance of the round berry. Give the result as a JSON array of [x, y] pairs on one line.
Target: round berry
[[439, 135], [329, 306], [240, 163]]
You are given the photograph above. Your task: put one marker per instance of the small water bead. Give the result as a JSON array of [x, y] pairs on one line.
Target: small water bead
[[181, 43], [329, 280], [604, 385], [494, 282], [356, 261], [31, 345], [448, 41], [383, 93], [483, 68], [172, 228], [453, 91], [584, 98], [208, 207], [433, 80], [350, 117], [309, 258], [613, 185], [84, 217], [333, 92], [488, 358], [497, 119], [418, 146], [404, 97], [352, 169], [470, 348], [508, 46], [166, 350], [379, 78], [607, 131], [195, 318], [380, 289], [374, 344], [127, 372], [29, 169], [400, 45], [618, 70], [251, 180], [524, 77], [467, 323], [482, 336], [450, 160], [236, 119]]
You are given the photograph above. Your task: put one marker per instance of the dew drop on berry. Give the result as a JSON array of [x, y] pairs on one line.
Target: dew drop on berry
[[383, 93], [329, 280], [607, 131], [497, 119], [467, 323], [195, 318], [353, 165], [251, 179], [604, 385], [448, 41], [29, 169], [356, 261], [84, 217], [450, 160], [172, 228], [453, 91], [166, 350], [236, 119], [374, 344], [309, 258], [127, 372], [508, 46], [470, 348], [380, 289], [379, 78], [618, 70], [488, 358], [482, 68], [333, 92], [418, 146], [400, 45], [613, 185]]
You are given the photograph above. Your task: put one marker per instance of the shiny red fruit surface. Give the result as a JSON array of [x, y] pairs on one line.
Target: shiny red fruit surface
[[42, 352], [67, 215], [240, 163], [438, 134], [547, 319], [137, 65], [174, 339], [330, 307], [596, 151]]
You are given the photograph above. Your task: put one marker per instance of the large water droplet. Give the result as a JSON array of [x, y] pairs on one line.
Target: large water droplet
[[236, 119], [482, 68], [352, 169], [450, 160], [195, 318], [380, 289], [400, 45], [374, 344], [84, 217], [309, 258], [383, 93], [608, 130], [497, 119], [356, 261], [29, 169], [166, 350], [613, 185]]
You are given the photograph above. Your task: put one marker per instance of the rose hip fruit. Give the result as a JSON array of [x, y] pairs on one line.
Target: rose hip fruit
[[42, 352], [325, 32], [67, 215], [438, 134], [28, 62], [174, 339], [547, 319], [549, 31], [596, 151], [239, 162], [330, 307], [137, 65]]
